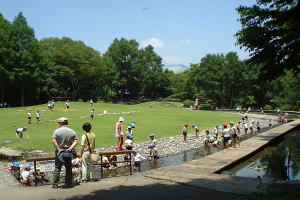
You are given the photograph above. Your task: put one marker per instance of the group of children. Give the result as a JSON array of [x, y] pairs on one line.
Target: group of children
[[228, 133], [24, 174], [37, 116]]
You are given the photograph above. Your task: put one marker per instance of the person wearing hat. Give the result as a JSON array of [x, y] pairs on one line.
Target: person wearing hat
[[137, 158], [26, 176], [119, 133], [64, 140], [20, 132], [15, 170], [153, 150], [226, 136], [184, 131], [197, 131]]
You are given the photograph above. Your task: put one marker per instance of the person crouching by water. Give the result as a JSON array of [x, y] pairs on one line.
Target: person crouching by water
[[64, 140], [88, 141]]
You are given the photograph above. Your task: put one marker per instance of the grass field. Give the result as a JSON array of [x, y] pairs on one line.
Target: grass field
[[163, 119]]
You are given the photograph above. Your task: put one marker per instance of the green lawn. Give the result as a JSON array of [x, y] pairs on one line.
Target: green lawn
[[163, 119]]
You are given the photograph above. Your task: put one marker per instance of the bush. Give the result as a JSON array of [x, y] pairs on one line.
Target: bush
[[177, 97], [160, 99], [288, 107], [205, 106], [187, 103], [268, 107]]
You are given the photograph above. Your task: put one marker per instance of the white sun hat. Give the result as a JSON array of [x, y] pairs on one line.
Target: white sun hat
[[121, 119], [62, 119]]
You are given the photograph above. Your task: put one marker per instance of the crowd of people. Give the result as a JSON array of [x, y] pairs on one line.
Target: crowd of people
[[65, 140]]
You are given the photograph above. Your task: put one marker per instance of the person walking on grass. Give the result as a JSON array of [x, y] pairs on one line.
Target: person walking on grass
[[64, 140], [92, 114], [37, 116], [29, 116], [119, 133], [88, 143]]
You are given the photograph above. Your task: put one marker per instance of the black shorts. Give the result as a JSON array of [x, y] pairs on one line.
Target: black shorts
[[251, 128], [155, 157], [29, 117], [137, 163], [68, 107], [246, 129], [38, 118], [226, 139], [129, 148], [184, 133], [235, 136], [258, 127]]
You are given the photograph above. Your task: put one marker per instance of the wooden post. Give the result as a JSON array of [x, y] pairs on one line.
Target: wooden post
[[130, 165], [101, 167], [35, 177]]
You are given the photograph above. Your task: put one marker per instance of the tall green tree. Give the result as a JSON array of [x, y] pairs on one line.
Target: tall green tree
[[27, 67], [76, 68], [271, 33], [5, 54]]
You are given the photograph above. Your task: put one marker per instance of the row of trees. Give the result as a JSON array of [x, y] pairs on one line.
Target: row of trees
[[33, 71]]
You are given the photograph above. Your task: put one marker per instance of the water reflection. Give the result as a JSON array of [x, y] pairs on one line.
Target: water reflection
[[281, 161]]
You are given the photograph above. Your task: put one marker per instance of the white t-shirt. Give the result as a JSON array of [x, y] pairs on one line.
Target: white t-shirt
[[128, 143], [138, 157], [226, 132], [25, 175], [37, 114], [29, 114], [19, 130]]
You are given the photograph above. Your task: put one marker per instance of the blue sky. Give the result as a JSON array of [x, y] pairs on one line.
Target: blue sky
[[182, 31]]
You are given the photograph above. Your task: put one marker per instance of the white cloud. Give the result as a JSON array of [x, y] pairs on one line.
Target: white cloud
[[155, 42], [184, 41], [173, 60]]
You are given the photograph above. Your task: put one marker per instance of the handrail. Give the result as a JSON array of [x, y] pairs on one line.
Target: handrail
[[101, 154]]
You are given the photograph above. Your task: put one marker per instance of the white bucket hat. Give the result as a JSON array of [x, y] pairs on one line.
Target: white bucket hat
[[121, 119]]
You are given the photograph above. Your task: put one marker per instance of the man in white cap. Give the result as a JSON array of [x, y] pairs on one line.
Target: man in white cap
[[64, 140], [119, 133]]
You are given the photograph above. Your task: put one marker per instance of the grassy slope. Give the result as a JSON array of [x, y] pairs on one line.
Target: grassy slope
[[163, 119]]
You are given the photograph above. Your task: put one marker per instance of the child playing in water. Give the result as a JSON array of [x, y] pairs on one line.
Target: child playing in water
[[153, 150], [226, 135], [258, 126], [15, 170], [235, 137], [208, 139], [270, 123], [197, 131], [184, 131], [137, 160]]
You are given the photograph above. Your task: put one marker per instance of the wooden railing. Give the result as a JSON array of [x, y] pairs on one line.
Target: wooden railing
[[101, 154]]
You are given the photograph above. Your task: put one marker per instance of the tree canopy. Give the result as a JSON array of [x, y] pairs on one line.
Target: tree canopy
[[271, 33]]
